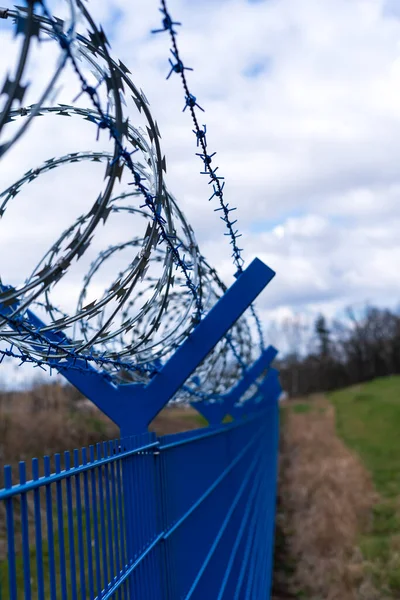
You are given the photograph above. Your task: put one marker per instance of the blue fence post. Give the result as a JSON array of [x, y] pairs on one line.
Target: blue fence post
[[270, 390], [149, 400], [215, 411], [133, 406]]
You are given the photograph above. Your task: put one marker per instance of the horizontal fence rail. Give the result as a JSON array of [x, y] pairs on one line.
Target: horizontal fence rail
[[188, 515]]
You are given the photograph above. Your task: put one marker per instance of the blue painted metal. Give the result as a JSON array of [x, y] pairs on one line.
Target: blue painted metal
[[150, 399], [215, 411], [271, 391], [188, 515], [38, 531], [133, 406], [12, 576], [198, 505]]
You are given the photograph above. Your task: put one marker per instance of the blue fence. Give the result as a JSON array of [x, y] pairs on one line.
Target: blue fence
[[183, 516], [189, 515]]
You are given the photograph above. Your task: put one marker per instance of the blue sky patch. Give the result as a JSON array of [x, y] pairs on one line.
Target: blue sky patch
[[256, 69], [391, 8], [270, 224]]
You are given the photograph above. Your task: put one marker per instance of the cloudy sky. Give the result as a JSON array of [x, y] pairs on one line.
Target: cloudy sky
[[302, 105], [302, 102]]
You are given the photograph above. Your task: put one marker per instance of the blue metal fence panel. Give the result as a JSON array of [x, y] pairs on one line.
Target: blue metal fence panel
[[187, 515]]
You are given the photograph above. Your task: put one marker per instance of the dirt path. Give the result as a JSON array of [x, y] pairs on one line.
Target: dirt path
[[325, 499]]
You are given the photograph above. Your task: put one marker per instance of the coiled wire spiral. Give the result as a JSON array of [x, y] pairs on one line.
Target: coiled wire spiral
[[154, 283]]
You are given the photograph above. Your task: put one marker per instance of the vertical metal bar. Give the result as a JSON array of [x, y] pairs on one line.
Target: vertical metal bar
[[241, 530], [264, 513], [50, 532], [25, 534], [70, 521], [116, 529], [160, 519], [136, 475], [143, 505], [147, 454], [122, 517], [261, 544], [95, 519], [127, 501], [128, 444], [153, 567], [136, 522], [274, 482], [81, 551], [109, 516], [61, 537], [135, 530], [250, 581], [264, 540], [102, 519], [38, 531], [246, 556], [167, 523], [86, 500], [153, 573], [12, 571]]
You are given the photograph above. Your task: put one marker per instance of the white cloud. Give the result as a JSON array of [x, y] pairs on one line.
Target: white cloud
[[309, 146]]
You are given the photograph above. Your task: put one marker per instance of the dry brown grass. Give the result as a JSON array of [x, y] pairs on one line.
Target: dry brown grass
[[45, 420], [176, 418], [326, 499], [54, 418]]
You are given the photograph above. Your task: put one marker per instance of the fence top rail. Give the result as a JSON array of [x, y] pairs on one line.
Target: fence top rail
[[114, 450], [116, 446], [178, 439]]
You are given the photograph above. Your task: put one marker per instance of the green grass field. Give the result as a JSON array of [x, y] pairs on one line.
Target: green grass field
[[368, 421]]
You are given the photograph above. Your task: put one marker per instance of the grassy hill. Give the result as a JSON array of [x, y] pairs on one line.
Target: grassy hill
[[368, 421], [338, 522]]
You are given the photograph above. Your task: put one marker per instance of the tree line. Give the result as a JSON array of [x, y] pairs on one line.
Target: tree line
[[326, 355]]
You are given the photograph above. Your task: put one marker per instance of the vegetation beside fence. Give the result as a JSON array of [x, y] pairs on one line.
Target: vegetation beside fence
[[339, 500], [338, 534], [368, 420], [323, 355], [326, 497], [46, 419], [51, 417]]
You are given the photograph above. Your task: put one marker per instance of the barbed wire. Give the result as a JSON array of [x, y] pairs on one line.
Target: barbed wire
[[106, 122], [154, 302], [206, 156]]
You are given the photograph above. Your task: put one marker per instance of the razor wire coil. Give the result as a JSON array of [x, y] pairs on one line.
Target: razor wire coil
[[156, 299]]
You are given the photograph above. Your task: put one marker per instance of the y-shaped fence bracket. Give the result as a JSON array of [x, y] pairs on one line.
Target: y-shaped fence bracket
[[269, 391], [133, 406], [214, 411]]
